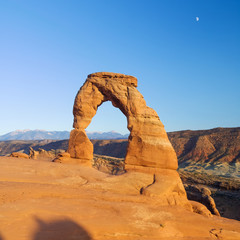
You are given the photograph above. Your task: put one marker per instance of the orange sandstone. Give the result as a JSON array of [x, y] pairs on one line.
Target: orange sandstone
[[148, 144]]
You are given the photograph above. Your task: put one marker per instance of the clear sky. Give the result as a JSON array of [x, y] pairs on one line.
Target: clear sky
[[185, 54]]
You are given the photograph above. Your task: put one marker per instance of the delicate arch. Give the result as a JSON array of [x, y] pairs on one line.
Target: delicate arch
[[148, 144]]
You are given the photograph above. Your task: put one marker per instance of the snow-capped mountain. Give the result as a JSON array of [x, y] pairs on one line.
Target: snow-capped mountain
[[56, 135], [106, 135], [34, 135]]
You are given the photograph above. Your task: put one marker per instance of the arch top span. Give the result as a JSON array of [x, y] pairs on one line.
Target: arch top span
[[119, 77], [148, 144]]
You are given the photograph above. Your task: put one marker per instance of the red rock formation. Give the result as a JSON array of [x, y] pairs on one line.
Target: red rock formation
[[79, 145], [19, 155], [148, 143], [218, 145]]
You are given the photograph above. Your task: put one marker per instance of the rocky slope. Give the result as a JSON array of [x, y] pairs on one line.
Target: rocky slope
[[56, 201], [218, 194], [218, 145]]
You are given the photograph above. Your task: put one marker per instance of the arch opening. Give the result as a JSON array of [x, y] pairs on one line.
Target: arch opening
[[108, 118], [109, 135]]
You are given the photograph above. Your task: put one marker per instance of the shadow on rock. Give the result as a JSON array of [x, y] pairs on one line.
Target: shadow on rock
[[1, 237], [64, 229]]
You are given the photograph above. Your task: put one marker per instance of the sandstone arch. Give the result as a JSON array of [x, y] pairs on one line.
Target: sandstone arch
[[148, 144]]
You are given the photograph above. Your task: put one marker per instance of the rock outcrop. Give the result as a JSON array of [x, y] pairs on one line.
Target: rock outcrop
[[200, 209], [19, 155], [110, 165], [41, 154], [148, 143], [202, 195], [38, 154], [33, 154]]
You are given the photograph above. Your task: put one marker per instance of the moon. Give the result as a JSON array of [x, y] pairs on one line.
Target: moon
[[197, 19]]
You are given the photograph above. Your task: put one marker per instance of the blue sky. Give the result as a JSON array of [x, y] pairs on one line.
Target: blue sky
[[187, 70]]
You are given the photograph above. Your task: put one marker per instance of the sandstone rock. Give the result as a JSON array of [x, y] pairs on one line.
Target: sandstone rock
[[107, 207], [64, 154], [214, 146], [202, 195], [110, 165], [79, 145], [62, 157], [19, 155], [66, 158], [149, 150], [45, 154], [224, 234], [167, 186], [148, 143], [200, 209], [41, 154], [33, 154]]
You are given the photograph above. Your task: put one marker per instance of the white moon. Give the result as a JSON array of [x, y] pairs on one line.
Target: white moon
[[197, 19]]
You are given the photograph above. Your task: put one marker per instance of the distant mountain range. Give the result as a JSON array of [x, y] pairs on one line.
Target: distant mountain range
[[202, 147], [56, 135]]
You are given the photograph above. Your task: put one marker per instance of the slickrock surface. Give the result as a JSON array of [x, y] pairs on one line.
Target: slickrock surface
[[45, 200], [148, 143]]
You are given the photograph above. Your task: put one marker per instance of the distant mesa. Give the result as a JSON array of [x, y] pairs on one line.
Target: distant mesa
[[217, 145]]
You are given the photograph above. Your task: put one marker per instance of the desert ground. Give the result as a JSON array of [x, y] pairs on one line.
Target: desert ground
[[40, 199]]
